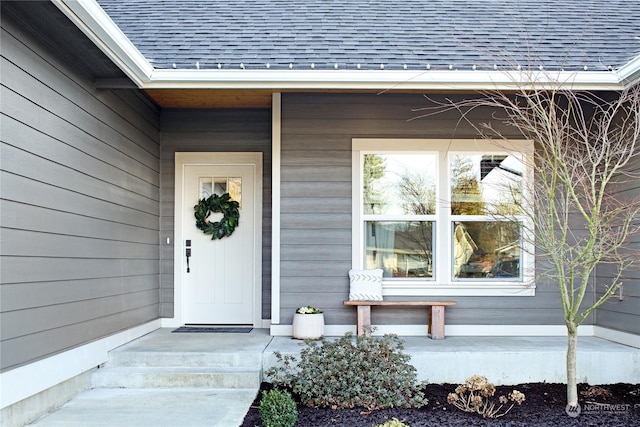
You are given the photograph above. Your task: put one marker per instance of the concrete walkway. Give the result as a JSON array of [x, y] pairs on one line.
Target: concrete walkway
[[195, 407], [504, 360]]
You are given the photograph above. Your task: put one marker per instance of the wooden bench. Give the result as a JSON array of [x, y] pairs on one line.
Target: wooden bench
[[435, 327]]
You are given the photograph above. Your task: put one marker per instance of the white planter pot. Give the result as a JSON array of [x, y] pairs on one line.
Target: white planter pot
[[308, 326]]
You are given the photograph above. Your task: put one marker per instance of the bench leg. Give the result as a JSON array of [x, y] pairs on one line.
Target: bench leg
[[364, 320], [436, 322]]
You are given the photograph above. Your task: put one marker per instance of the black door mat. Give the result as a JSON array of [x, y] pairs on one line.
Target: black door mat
[[211, 330]]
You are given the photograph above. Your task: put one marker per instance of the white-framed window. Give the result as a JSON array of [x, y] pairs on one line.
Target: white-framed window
[[443, 217]]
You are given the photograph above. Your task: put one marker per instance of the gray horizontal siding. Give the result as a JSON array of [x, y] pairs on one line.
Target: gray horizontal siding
[[79, 205], [71, 335], [622, 312], [317, 130], [243, 130]]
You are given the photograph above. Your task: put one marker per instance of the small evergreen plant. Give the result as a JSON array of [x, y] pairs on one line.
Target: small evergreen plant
[[368, 372], [277, 409]]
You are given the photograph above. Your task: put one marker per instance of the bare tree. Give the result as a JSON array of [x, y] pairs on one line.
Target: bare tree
[[586, 148]]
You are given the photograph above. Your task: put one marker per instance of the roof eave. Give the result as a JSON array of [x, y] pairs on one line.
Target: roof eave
[[629, 74], [94, 22], [90, 18]]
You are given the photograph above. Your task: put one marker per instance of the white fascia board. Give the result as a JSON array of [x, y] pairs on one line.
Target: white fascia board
[[381, 80], [630, 72], [94, 22]]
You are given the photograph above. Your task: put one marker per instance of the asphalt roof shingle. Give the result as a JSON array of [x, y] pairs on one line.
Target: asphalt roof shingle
[[568, 34]]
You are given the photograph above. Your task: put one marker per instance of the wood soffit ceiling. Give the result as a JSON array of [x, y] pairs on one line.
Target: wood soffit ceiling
[[210, 98], [235, 98]]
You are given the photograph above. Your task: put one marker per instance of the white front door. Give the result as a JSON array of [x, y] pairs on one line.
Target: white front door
[[221, 278]]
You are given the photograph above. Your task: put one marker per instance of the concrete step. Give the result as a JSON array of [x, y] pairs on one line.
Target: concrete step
[[185, 359], [166, 360], [177, 377]]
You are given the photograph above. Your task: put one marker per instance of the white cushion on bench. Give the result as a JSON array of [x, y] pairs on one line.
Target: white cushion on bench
[[365, 285]]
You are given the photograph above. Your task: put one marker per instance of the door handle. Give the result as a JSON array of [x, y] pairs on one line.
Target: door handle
[[188, 253]]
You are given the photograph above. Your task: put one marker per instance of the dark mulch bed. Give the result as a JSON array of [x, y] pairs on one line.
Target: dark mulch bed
[[544, 406]]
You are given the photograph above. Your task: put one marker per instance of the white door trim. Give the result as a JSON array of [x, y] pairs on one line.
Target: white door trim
[[223, 159]]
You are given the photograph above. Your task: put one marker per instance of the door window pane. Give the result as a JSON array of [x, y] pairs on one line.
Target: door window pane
[[220, 185], [205, 187], [400, 248], [235, 190], [486, 249], [399, 184]]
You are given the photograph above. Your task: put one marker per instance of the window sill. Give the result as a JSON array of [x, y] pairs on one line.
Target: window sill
[[460, 289]]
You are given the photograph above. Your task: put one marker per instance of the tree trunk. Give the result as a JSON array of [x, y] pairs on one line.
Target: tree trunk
[[572, 387]]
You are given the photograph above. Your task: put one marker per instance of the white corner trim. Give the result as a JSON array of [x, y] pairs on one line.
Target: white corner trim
[[626, 338], [450, 330], [94, 22], [276, 124], [25, 381]]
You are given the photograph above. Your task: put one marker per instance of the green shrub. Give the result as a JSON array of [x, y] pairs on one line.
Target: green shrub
[[277, 409], [351, 372], [393, 423]]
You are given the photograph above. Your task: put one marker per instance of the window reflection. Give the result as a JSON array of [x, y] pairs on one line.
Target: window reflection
[[220, 185], [205, 187], [486, 249], [235, 190], [485, 184], [399, 184], [400, 248]]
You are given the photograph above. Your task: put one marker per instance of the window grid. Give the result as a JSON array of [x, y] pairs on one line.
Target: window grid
[[443, 275]]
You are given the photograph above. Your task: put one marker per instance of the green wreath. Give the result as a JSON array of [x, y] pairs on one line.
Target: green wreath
[[215, 203]]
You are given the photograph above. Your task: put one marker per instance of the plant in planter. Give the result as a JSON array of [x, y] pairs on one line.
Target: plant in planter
[[308, 323], [308, 310]]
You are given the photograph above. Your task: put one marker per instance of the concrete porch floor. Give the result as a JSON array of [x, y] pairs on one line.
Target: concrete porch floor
[[503, 360]]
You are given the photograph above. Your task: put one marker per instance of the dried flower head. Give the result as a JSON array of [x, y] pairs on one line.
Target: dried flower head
[[452, 398], [461, 389], [476, 401], [488, 390], [476, 382], [517, 396]]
